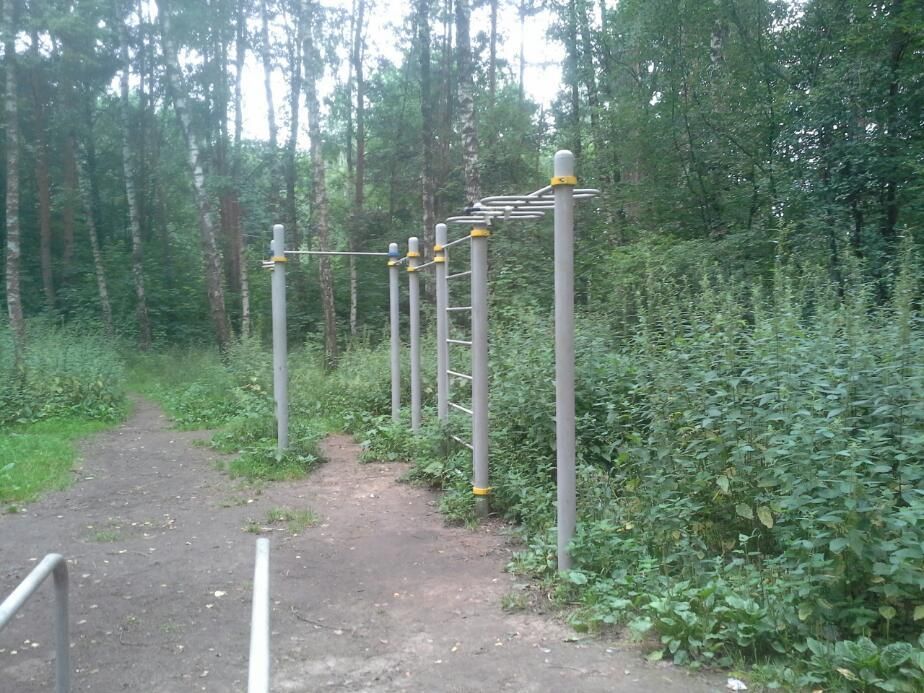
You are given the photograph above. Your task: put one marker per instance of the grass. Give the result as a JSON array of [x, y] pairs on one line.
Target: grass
[[106, 536], [295, 520], [39, 456]]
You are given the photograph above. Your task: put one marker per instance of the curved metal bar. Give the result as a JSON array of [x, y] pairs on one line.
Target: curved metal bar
[[53, 564]]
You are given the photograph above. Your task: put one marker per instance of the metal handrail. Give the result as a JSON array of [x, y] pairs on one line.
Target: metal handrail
[[53, 564], [259, 675]]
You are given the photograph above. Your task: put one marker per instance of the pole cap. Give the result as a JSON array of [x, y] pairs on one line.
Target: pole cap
[[563, 164]]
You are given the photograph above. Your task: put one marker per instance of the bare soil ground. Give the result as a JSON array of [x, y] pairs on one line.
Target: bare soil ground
[[378, 595]]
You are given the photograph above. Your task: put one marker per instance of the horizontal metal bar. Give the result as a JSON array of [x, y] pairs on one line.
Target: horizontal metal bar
[[462, 342], [466, 273], [259, 674], [460, 408], [461, 239], [461, 441], [333, 252], [456, 374], [424, 265], [458, 308], [52, 564]]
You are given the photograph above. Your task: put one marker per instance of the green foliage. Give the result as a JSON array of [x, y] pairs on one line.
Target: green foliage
[[66, 373]]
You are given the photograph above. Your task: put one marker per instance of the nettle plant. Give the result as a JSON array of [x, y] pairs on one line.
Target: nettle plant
[[751, 463]]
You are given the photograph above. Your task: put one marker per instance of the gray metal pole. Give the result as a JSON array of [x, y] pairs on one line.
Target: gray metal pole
[[413, 259], [563, 183], [479, 288], [442, 324], [280, 346], [395, 332], [62, 639]]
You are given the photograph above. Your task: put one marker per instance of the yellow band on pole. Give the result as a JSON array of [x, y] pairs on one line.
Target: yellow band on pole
[[480, 233], [437, 248], [392, 263], [439, 258], [563, 180], [411, 268], [280, 258], [411, 253], [478, 491]]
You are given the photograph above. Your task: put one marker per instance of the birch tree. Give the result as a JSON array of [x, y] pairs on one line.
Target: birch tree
[[13, 295], [134, 219], [194, 156], [467, 104], [319, 203]]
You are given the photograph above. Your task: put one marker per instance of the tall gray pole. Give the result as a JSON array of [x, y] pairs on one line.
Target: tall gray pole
[[413, 259], [442, 324], [563, 183], [395, 331], [280, 347], [479, 279]]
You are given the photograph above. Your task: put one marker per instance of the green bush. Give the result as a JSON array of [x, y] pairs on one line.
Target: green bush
[[65, 373]]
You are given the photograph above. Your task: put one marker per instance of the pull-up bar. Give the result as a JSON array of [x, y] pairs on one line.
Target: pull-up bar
[[280, 349], [558, 197], [334, 252]]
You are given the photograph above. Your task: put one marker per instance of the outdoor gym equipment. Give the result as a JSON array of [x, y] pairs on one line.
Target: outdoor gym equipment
[[280, 348], [557, 197]]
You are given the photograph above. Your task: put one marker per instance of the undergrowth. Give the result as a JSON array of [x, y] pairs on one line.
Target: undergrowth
[[750, 463], [750, 470], [67, 385]]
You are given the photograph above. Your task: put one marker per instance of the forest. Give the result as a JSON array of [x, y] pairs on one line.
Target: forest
[[750, 378]]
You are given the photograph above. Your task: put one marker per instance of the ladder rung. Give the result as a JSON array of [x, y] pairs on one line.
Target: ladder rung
[[459, 375], [458, 274], [460, 408], [460, 441], [458, 307], [458, 341]]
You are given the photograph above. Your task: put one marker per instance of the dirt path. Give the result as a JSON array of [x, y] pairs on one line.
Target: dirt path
[[378, 596]]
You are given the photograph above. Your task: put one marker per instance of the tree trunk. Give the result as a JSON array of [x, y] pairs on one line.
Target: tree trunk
[[426, 112], [492, 56], [128, 166], [359, 189], [467, 104], [273, 164], [85, 186], [210, 255], [589, 77], [42, 177], [319, 210], [72, 200], [572, 76], [295, 88], [240, 242], [13, 295]]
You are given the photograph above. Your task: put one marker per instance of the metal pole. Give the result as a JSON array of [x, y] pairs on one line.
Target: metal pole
[[280, 347], [395, 332], [479, 288], [55, 565], [563, 183], [442, 324], [62, 641], [413, 259], [259, 673]]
